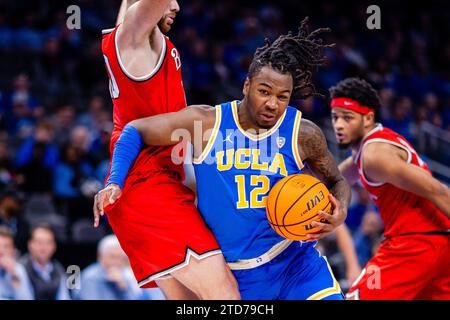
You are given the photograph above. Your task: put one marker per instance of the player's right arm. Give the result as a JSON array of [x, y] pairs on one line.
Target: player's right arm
[[162, 130], [349, 170]]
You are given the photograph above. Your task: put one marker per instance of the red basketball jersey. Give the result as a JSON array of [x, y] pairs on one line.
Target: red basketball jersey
[[401, 211], [161, 91]]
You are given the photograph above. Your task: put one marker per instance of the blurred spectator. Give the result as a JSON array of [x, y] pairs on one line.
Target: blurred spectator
[[368, 236], [11, 202], [401, 118], [90, 119], [99, 136], [7, 174], [21, 107], [63, 121], [50, 73], [70, 176], [80, 139], [14, 282], [36, 159], [111, 277], [46, 274], [386, 96]]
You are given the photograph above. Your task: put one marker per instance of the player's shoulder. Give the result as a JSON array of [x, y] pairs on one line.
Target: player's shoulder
[[108, 36], [378, 153], [202, 112], [202, 109], [311, 140], [309, 130], [382, 133]]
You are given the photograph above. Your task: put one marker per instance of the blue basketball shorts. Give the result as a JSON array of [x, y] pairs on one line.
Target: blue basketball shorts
[[300, 272]]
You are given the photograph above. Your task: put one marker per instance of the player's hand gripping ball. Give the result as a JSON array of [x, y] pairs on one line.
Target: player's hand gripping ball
[[294, 202]]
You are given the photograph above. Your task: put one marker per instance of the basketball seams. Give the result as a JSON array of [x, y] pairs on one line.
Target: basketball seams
[[276, 201], [297, 223], [313, 185], [299, 234], [301, 196]]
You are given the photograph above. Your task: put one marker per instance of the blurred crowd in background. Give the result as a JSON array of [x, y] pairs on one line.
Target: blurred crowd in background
[[56, 115]]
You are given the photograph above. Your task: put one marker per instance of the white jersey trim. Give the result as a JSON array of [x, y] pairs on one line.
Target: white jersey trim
[[295, 133], [162, 56], [379, 127], [166, 273], [212, 138], [399, 145], [353, 296], [106, 31], [251, 136]]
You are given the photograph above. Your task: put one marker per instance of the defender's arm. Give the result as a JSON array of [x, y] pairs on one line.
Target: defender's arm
[[349, 170], [140, 19], [166, 129], [383, 162], [156, 130], [123, 9]]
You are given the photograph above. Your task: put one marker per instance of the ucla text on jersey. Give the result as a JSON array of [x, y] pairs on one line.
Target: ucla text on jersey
[[234, 174]]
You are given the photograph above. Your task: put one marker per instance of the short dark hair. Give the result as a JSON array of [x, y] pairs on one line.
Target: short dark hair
[[43, 225], [359, 90], [6, 233], [298, 55], [11, 192]]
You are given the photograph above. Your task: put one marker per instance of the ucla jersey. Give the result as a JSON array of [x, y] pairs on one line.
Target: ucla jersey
[[234, 174]]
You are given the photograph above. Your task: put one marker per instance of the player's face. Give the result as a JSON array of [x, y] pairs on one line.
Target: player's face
[[348, 126], [268, 93], [165, 24]]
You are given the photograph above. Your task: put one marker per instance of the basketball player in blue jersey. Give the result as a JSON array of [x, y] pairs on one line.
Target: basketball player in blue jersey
[[244, 148]]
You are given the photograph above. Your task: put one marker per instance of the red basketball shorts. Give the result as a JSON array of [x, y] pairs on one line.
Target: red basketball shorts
[[159, 227], [405, 268]]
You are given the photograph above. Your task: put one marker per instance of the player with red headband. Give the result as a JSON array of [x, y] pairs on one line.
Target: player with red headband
[[412, 262]]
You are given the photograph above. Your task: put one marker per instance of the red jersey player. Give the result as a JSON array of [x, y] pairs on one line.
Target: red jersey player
[[155, 219], [412, 263]]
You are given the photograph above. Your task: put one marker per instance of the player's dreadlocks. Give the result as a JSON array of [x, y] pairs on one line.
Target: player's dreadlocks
[[298, 55], [359, 90]]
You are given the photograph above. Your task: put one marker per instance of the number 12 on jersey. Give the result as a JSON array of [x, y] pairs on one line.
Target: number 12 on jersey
[[258, 194]]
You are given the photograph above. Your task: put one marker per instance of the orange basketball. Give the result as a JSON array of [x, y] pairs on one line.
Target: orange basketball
[[293, 203]]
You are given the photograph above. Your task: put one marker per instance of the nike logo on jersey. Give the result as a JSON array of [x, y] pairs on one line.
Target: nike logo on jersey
[[228, 138]]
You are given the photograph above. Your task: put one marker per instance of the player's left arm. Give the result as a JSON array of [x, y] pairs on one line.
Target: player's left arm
[[123, 9], [383, 162], [313, 149]]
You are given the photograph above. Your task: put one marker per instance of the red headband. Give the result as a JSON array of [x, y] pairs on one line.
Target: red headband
[[350, 104]]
